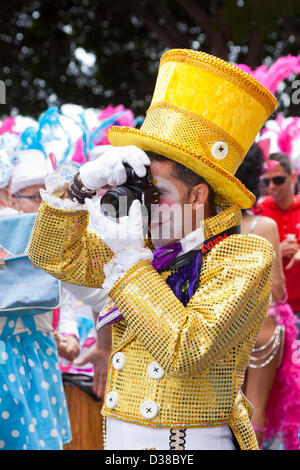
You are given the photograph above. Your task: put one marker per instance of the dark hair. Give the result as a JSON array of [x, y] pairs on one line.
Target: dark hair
[[250, 170], [188, 177], [283, 160]]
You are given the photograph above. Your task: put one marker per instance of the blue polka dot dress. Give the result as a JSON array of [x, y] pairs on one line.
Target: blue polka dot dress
[[33, 409]]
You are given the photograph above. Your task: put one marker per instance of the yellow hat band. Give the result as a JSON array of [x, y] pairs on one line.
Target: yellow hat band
[[191, 131]]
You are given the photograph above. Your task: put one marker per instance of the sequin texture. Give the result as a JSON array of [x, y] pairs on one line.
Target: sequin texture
[[203, 349]]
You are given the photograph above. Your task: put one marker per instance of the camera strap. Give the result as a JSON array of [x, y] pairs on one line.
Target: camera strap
[[204, 248]]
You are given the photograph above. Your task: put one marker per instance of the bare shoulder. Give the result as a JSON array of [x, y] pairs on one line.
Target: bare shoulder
[[266, 222], [266, 227]]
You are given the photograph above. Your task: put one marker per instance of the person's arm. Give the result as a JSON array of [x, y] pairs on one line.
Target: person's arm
[[267, 228], [67, 324], [260, 380], [231, 302], [93, 297], [66, 334], [98, 355], [62, 245]]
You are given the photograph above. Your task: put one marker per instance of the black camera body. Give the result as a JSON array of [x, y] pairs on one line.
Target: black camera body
[[116, 202]]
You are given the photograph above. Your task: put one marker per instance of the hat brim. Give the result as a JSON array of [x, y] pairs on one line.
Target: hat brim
[[26, 183], [228, 189]]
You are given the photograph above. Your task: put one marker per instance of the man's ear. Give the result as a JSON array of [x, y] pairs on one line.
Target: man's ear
[[198, 198], [199, 194]]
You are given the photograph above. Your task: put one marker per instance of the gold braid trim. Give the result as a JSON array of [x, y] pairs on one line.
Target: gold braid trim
[[177, 439]]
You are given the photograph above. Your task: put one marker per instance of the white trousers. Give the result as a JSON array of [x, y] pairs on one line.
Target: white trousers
[[121, 435]]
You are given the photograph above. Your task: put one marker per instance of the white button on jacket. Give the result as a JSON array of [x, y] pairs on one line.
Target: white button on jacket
[[155, 371], [118, 360], [149, 409], [111, 399]]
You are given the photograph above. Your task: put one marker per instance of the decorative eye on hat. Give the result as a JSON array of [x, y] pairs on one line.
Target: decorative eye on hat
[[219, 150]]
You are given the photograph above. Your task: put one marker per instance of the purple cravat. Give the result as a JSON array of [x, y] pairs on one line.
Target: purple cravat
[[183, 283], [164, 255]]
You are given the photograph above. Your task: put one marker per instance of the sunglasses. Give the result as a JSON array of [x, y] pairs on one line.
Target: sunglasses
[[35, 197], [277, 180]]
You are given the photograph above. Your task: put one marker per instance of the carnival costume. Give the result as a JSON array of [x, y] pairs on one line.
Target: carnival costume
[[178, 362], [33, 409], [283, 407]]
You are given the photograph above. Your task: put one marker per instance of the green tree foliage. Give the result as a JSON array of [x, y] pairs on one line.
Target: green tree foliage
[[122, 41]]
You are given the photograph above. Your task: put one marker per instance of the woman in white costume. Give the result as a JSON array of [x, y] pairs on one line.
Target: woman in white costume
[[33, 410]]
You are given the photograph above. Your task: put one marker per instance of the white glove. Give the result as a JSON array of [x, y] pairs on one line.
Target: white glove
[[127, 233], [108, 168], [125, 238]]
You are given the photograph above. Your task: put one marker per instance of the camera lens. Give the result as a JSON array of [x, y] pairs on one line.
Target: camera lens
[[116, 202]]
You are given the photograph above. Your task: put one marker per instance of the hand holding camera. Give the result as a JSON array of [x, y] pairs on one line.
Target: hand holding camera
[[127, 233], [124, 230], [108, 168], [125, 238]]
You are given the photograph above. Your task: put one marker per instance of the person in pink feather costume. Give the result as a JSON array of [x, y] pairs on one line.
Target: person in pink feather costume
[[109, 116], [273, 382], [280, 70]]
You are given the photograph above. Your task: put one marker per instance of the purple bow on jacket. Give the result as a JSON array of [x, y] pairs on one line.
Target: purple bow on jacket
[[184, 282]]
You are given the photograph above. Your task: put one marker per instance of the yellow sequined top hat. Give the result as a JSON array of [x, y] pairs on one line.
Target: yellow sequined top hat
[[205, 114]]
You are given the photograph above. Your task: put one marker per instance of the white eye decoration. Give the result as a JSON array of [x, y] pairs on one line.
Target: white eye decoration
[[219, 150]]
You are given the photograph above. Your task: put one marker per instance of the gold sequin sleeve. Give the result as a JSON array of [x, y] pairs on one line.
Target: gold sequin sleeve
[[62, 245], [230, 303]]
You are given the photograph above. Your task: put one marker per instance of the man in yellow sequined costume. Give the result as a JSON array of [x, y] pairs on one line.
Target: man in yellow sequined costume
[[177, 366]]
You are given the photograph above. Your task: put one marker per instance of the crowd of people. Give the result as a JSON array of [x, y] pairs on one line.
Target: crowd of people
[[206, 358]]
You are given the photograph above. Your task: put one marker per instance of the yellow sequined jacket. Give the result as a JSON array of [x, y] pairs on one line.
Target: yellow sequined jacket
[[201, 352]]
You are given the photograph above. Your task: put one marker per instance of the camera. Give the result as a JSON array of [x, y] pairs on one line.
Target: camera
[[116, 202]]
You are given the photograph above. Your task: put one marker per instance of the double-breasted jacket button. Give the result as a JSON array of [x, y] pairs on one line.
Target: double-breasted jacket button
[[155, 371], [149, 409], [118, 360], [111, 399]]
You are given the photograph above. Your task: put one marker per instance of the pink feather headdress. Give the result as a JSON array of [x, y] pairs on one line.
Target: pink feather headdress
[[108, 117], [281, 135], [280, 70]]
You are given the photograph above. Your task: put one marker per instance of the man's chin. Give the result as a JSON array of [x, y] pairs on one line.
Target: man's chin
[[161, 242], [164, 234], [276, 198]]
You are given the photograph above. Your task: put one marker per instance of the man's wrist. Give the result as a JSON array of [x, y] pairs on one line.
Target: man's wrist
[[122, 262], [77, 192], [70, 334]]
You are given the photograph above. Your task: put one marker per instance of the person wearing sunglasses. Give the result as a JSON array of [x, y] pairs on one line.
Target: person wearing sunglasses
[[272, 380], [283, 205], [28, 179]]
